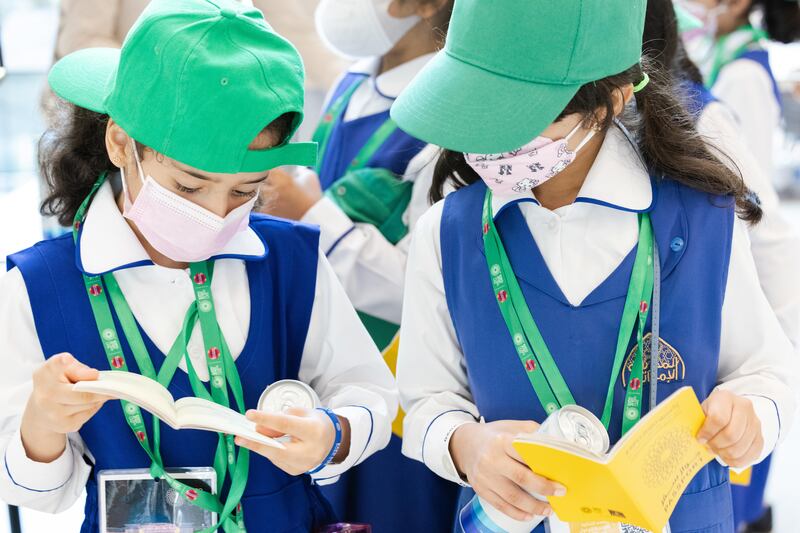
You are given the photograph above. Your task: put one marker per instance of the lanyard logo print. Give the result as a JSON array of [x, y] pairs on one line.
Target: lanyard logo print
[[227, 462], [540, 367]]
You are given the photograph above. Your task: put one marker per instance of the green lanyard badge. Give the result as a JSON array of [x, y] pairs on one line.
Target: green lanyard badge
[[221, 368], [334, 114], [549, 385]]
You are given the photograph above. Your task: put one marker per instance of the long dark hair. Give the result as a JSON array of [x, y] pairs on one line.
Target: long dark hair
[[72, 155], [662, 42], [664, 131], [781, 18]]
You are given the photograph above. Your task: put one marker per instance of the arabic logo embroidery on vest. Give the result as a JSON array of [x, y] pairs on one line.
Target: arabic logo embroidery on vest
[[670, 363]]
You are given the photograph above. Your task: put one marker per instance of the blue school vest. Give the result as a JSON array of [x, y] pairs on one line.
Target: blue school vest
[[281, 297], [693, 231], [348, 137], [389, 491]]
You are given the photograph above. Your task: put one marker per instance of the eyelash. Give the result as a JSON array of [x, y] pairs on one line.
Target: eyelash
[[187, 190], [239, 194]]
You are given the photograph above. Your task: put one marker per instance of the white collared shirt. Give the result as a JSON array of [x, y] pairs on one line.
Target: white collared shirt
[[339, 359], [746, 88], [773, 241], [582, 244], [371, 268]]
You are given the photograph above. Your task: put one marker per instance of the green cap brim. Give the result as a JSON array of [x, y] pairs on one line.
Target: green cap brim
[[686, 21], [84, 77], [461, 107], [301, 154]]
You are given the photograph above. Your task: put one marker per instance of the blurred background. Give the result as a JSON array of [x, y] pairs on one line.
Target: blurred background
[[34, 32]]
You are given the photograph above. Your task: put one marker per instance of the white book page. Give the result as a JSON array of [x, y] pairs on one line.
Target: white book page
[[135, 388], [197, 413], [562, 444]]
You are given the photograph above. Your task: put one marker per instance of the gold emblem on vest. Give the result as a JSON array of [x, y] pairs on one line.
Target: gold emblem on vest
[[670, 363]]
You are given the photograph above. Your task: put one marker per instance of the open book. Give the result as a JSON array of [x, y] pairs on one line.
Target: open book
[[186, 413], [639, 481]]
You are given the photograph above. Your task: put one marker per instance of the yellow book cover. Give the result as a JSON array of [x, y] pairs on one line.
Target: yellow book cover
[[639, 481]]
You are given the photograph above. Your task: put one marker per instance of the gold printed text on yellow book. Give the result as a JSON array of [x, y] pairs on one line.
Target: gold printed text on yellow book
[[670, 363]]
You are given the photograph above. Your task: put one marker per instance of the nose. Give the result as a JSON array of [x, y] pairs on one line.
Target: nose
[[218, 205]]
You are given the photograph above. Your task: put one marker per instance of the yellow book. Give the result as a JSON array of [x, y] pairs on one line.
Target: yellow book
[[639, 481]]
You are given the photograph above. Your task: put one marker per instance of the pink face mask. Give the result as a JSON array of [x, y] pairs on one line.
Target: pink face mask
[[523, 169], [178, 228]]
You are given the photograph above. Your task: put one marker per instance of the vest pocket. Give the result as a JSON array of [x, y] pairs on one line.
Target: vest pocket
[[705, 511]]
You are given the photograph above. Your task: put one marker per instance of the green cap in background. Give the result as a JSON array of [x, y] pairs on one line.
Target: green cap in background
[[196, 80], [510, 67], [686, 20]]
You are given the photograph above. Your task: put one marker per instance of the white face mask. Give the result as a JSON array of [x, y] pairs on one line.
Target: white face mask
[[360, 28], [700, 42]]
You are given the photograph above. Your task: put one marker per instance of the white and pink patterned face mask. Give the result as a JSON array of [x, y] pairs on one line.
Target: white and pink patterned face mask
[[521, 170]]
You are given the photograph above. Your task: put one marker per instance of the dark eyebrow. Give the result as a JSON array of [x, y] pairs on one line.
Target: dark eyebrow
[[215, 180], [198, 176], [257, 180]]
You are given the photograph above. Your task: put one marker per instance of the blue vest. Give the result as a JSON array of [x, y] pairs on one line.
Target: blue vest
[[348, 137], [281, 297], [693, 232]]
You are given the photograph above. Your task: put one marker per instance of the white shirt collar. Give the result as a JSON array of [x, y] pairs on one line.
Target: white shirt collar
[[107, 243], [392, 82], [617, 180]]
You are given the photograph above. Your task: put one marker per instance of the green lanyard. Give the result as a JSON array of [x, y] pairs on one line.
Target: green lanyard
[[536, 359], [221, 368], [334, 114], [722, 56]]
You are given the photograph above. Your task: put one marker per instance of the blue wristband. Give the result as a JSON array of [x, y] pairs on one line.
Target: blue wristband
[[337, 440]]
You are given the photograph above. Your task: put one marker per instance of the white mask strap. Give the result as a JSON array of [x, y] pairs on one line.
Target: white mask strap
[[138, 161], [585, 139]]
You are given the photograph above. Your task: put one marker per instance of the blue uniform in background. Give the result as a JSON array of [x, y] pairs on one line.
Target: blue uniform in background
[[391, 492]]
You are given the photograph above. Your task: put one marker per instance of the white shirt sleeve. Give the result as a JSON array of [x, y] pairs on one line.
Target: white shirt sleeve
[[434, 391], [756, 358], [745, 87], [371, 268], [49, 487], [344, 367], [774, 243]]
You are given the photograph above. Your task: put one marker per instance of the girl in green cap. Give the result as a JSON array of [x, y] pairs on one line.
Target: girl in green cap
[[595, 253], [774, 243], [157, 164], [730, 50], [375, 179]]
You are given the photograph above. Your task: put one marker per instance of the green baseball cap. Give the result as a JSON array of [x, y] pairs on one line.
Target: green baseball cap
[[510, 67], [196, 80]]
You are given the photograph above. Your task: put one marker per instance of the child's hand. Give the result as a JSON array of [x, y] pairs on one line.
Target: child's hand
[[288, 197], [312, 435], [484, 454], [54, 409], [731, 430]]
